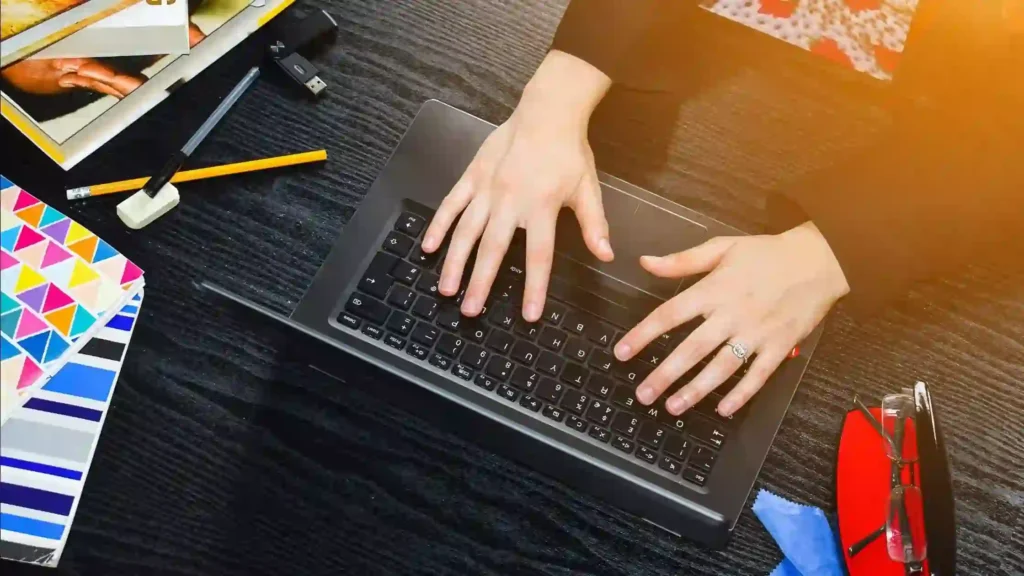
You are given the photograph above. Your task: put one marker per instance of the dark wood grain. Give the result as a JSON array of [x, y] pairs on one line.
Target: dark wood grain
[[222, 456]]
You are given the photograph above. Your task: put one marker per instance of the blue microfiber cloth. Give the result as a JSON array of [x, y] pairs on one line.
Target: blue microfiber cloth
[[804, 535]]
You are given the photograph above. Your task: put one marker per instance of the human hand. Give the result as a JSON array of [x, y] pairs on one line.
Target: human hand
[[58, 75], [766, 293], [524, 173]]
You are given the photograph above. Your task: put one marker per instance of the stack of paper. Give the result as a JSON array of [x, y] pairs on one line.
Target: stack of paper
[[59, 284]]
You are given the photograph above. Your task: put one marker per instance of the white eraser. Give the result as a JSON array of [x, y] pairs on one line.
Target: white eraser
[[139, 210]]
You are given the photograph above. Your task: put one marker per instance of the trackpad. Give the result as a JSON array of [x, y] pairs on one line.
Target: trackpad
[[636, 229]]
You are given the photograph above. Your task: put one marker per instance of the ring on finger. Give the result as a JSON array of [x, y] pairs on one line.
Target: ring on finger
[[739, 350]]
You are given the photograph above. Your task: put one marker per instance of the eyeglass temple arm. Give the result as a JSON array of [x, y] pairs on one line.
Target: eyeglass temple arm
[[873, 421], [906, 539], [861, 544]]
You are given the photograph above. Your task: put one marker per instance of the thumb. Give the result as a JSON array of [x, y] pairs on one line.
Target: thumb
[[590, 213], [696, 260]]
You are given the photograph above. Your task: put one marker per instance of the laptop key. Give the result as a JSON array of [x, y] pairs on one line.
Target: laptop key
[[600, 434], [530, 403], [463, 372], [575, 402], [405, 273], [669, 465], [524, 352], [428, 283], [651, 435], [576, 423], [652, 355], [703, 458], [486, 382], [601, 334], [624, 444], [401, 297], [525, 379], [577, 322], [549, 390], [500, 368], [601, 360], [450, 345], [647, 455], [449, 317], [695, 476], [500, 342], [706, 431], [474, 329], [502, 316], [575, 375], [400, 323], [550, 363], [632, 371], [553, 312], [626, 424], [527, 329], [552, 338], [377, 280], [577, 349], [425, 334], [411, 224], [677, 423], [677, 446], [372, 331], [475, 357], [398, 244], [425, 307], [424, 260], [417, 351], [440, 361], [600, 386], [600, 413], [554, 413], [349, 321], [367, 308], [394, 341], [508, 393], [624, 396]]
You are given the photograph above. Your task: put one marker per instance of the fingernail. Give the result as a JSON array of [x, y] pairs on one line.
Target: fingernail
[[533, 311], [605, 246], [676, 405], [727, 408], [448, 287], [622, 351], [471, 306], [428, 243], [645, 394]]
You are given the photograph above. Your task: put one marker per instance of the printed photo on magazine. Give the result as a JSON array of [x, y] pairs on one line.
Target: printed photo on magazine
[[62, 96]]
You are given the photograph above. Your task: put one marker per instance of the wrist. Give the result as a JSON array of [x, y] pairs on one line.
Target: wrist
[[808, 234], [563, 94]]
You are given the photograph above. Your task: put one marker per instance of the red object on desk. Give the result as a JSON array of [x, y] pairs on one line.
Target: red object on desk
[[863, 472]]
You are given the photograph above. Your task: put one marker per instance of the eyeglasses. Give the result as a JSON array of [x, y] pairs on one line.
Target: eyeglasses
[[885, 521]]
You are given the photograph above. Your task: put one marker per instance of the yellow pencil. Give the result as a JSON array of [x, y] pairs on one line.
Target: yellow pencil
[[200, 174]]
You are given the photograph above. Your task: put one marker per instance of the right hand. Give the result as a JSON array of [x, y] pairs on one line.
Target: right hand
[[524, 173]]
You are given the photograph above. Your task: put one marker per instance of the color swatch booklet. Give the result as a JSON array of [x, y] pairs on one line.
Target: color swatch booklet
[[59, 284]]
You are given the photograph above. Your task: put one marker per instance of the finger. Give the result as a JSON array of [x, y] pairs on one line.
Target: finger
[[467, 231], [126, 83], [768, 359], [683, 308], [540, 246], [696, 346], [696, 260], [491, 252], [723, 365], [590, 213], [74, 81], [452, 205]]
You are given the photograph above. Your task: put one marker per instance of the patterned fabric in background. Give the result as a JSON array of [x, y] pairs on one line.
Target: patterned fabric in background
[[866, 35]]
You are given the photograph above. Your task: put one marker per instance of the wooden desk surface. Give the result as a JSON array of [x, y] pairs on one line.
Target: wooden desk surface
[[219, 457]]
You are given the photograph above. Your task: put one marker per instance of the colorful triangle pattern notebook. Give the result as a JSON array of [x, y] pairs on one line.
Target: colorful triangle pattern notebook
[[59, 283], [47, 445]]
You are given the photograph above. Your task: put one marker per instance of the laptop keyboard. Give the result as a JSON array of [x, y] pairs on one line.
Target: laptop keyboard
[[560, 368]]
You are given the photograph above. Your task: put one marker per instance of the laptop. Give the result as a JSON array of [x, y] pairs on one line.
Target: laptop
[[549, 394]]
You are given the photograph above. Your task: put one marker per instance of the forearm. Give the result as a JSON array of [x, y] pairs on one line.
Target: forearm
[[563, 92]]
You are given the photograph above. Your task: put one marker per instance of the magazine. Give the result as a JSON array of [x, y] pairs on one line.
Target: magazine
[[27, 26], [69, 107]]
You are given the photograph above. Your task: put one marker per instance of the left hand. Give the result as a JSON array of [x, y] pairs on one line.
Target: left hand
[[765, 292]]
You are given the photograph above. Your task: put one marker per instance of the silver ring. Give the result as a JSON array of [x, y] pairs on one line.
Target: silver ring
[[739, 350]]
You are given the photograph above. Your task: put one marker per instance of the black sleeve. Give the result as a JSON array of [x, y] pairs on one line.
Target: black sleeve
[[930, 196], [605, 33]]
